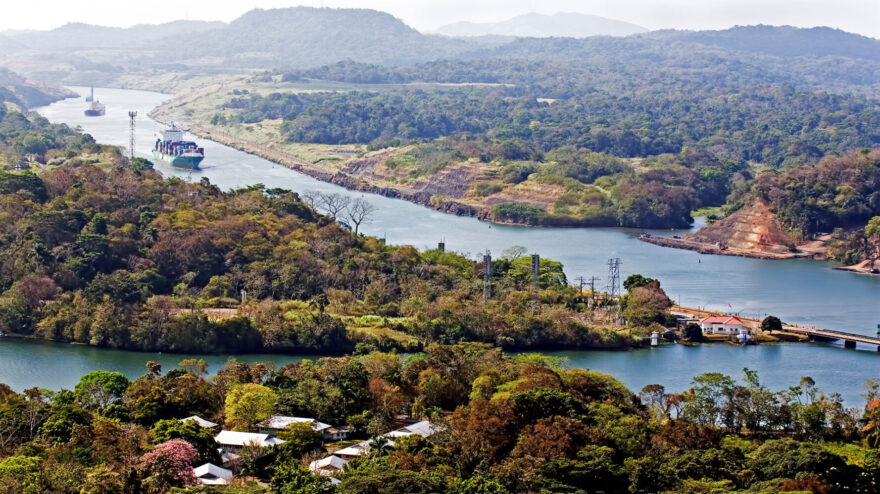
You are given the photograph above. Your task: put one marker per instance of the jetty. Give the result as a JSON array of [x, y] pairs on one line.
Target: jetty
[[815, 334]]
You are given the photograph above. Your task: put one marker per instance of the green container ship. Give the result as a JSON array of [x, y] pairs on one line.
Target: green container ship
[[173, 150]]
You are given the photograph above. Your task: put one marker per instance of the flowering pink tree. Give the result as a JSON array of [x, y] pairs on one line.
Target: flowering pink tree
[[169, 465]]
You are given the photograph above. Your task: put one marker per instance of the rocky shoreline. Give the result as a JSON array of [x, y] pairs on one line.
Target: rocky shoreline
[[680, 243]]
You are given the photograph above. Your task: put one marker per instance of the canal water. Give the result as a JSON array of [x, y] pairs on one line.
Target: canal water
[[798, 291]]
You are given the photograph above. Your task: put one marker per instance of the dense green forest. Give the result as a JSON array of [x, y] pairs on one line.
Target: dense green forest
[[697, 134], [507, 424], [638, 131], [121, 258], [628, 113]]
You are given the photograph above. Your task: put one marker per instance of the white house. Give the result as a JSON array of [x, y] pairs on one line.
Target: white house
[[722, 325], [210, 474], [277, 423], [423, 428], [327, 467], [233, 441], [202, 422], [336, 433]]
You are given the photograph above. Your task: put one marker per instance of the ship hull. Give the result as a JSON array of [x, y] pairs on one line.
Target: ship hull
[[185, 162], [94, 113]]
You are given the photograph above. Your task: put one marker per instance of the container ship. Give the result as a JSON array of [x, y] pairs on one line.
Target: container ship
[[96, 109], [173, 150]]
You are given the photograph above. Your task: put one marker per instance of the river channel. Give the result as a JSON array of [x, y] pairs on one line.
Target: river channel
[[798, 291]]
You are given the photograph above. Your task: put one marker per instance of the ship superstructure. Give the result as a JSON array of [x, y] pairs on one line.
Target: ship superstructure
[[171, 148], [96, 109]]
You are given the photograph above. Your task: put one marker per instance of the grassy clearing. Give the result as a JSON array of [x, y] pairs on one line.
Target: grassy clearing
[[380, 327]]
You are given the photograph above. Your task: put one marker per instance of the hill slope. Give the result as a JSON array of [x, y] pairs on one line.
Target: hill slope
[[785, 41], [75, 36], [306, 36], [533, 25]]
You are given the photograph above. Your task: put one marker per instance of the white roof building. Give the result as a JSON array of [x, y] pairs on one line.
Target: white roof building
[[423, 428], [202, 422], [210, 474], [328, 466], [241, 439], [280, 422]]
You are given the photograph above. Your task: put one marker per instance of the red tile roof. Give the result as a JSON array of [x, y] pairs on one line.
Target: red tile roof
[[722, 320]]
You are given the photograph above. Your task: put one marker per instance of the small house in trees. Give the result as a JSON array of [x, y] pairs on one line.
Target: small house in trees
[[327, 467], [210, 474], [277, 423], [202, 422], [423, 428], [234, 441], [722, 325], [336, 433]]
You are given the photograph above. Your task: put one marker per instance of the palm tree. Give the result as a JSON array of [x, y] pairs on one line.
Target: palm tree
[[379, 446]]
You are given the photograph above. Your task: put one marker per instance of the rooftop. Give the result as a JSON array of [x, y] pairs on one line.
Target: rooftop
[[202, 422], [235, 438], [722, 320], [279, 422]]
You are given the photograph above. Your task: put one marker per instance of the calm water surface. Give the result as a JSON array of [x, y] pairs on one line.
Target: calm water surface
[[806, 292]]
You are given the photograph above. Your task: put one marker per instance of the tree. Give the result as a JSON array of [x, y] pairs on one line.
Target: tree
[[872, 231], [99, 389], [247, 404], [295, 479], [477, 484], [693, 332], [169, 465], [301, 439], [334, 204], [636, 280], [646, 304], [358, 212], [710, 393], [201, 438], [770, 324]]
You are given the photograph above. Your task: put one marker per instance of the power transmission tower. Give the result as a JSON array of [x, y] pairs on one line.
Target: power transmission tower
[[593, 281], [487, 277], [580, 280], [132, 115], [614, 278], [536, 268]]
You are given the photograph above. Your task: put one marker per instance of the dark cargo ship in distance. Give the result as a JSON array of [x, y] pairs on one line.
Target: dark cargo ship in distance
[[173, 150], [96, 109]]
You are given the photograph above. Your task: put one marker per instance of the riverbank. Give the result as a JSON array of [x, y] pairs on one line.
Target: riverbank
[[811, 250], [864, 267], [752, 231]]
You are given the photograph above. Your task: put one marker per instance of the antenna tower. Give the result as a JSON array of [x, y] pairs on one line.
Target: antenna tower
[[487, 277], [132, 115], [614, 278]]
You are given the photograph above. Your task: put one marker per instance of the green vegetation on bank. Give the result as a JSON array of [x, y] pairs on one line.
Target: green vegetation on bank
[[573, 139], [122, 258], [521, 424]]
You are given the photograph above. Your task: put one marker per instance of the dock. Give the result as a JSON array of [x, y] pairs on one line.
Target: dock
[[816, 334]]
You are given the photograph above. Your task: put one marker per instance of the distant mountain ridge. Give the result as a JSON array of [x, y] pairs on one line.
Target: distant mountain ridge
[[786, 41], [309, 36], [79, 35], [533, 25]]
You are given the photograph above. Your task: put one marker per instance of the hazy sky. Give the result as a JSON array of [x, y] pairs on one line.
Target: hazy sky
[[859, 16]]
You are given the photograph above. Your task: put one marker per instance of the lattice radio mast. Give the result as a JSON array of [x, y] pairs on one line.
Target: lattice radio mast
[[614, 278], [487, 277], [132, 115]]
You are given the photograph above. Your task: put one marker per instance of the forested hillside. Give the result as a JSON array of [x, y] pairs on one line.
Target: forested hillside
[[611, 139], [122, 258], [16, 90], [501, 424]]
